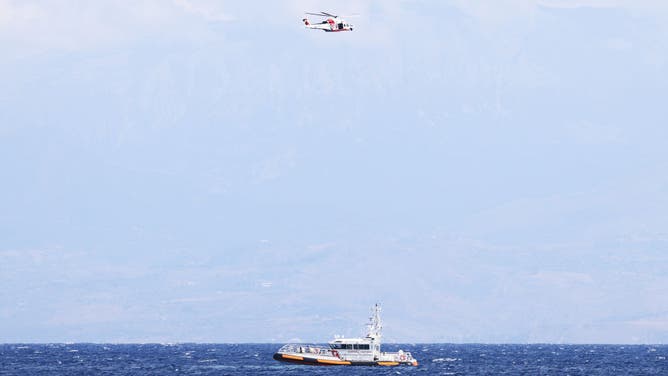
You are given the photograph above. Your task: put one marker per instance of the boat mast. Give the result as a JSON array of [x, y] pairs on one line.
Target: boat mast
[[375, 324]]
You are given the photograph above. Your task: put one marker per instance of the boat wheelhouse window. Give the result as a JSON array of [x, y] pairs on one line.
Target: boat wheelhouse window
[[361, 347]]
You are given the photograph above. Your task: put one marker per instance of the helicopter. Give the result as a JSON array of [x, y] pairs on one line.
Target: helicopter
[[331, 24]]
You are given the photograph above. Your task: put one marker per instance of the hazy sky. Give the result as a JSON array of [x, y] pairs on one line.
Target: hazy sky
[[200, 170]]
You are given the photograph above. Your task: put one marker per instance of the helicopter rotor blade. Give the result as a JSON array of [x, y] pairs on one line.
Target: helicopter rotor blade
[[325, 14]]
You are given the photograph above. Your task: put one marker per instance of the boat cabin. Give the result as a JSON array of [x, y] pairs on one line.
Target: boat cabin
[[356, 347]]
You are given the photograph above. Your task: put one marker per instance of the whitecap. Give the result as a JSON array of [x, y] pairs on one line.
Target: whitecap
[[440, 360]]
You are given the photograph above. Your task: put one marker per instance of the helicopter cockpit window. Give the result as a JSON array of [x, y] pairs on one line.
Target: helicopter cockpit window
[[341, 26]]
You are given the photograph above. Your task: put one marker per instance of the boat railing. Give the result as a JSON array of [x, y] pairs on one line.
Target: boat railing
[[402, 356], [307, 349]]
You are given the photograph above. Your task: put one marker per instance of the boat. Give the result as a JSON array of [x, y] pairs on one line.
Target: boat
[[348, 351]]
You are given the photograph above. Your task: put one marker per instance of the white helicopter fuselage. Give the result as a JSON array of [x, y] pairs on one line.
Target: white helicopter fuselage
[[329, 25]]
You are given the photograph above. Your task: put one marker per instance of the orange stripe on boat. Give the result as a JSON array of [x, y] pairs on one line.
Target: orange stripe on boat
[[388, 363], [293, 357], [415, 363], [325, 361]]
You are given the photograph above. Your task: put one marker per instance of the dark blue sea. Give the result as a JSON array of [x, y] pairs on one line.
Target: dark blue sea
[[256, 359]]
